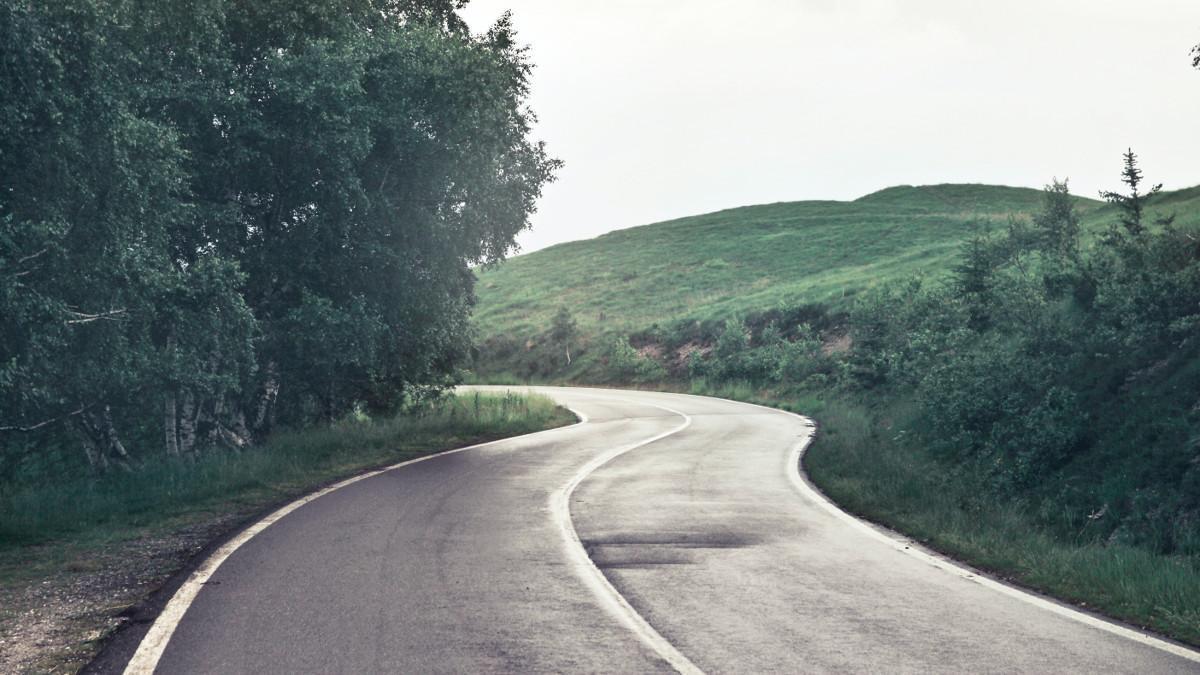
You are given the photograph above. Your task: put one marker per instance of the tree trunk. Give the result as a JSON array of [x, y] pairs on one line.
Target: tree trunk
[[169, 426], [187, 423], [218, 431], [91, 449], [239, 426], [112, 442], [266, 402], [215, 427], [101, 443]]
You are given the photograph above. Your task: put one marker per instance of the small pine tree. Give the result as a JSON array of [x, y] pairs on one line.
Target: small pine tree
[[1132, 205], [974, 276]]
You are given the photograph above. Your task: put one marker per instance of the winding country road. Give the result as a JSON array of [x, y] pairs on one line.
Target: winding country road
[[705, 552]]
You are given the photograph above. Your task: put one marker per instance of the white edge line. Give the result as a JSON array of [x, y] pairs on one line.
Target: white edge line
[[908, 547], [154, 643], [585, 567]]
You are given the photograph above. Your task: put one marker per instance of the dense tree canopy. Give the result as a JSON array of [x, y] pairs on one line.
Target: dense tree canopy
[[218, 215]]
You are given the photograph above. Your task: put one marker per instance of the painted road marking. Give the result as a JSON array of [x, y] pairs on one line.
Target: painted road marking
[[152, 646], [611, 599]]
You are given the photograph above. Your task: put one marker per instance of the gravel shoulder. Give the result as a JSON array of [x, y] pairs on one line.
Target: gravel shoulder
[[59, 603]]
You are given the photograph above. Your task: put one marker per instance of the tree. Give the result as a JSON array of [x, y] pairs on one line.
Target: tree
[[91, 188], [246, 212], [974, 276], [1132, 205], [563, 331], [1057, 224], [416, 165]]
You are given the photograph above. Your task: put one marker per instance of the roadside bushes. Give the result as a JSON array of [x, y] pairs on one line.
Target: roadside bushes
[[768, 357], [779, 346], [625, 363], [996, 408], [1063, 374]]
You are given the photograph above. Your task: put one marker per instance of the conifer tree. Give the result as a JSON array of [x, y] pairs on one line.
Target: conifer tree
[[1132, 205]]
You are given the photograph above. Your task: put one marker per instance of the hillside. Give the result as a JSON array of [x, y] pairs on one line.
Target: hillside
[[738, 258], [753, 258]]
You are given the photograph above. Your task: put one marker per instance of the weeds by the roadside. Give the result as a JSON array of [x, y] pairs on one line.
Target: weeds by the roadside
[[118, 503], [864, 461], [75, 553]]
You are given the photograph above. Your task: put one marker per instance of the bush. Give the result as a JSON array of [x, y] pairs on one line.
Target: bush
[[625, 363]]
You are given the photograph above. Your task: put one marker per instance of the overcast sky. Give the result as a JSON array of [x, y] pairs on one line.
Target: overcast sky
[[667, 108]]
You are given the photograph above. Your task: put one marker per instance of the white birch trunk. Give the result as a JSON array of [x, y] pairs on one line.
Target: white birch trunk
[[169, 427], [187, 423], [267, 401], [91, 450], [112, 441]]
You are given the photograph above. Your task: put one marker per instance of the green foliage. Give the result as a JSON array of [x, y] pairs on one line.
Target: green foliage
[[702, 270], [868, 459], [1050, 396], [1132, 205], [219, 217], [1004, 411], [626, 364], [740, 261], [563, 331], [1056, 226], [769, 356]]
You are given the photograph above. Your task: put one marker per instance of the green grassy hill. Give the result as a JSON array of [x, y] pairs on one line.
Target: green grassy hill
[[749, 259]]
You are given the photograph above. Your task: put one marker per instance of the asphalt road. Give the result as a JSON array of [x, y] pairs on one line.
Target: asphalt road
[[705, 552]]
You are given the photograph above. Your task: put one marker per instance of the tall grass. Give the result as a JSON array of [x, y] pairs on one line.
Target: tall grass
[[864, 460], [291, 462]]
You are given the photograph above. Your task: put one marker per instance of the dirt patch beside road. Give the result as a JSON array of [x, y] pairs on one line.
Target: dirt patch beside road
[[54, 619]]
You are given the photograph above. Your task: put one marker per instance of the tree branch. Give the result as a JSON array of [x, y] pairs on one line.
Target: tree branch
[[31, 256], [82, 317], [52, 420]]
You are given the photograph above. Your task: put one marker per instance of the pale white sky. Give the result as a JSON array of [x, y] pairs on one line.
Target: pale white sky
[[667, 108]]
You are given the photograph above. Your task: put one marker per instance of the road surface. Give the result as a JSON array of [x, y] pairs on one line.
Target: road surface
[[666, 533]]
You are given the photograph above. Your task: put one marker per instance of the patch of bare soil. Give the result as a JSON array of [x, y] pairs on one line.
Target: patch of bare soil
[[650, 351], [838, 344], [56, 621], [684, 353]]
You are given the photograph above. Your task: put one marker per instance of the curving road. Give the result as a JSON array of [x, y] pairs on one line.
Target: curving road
[[705, 552]]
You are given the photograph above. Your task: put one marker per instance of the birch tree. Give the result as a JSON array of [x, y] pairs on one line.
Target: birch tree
[[218, 216]]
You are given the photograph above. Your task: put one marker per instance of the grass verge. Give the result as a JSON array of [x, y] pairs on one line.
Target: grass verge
[[75, 554], [865, 458]]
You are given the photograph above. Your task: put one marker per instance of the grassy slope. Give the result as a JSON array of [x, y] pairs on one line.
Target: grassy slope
[[752, 257], [756, 257]]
